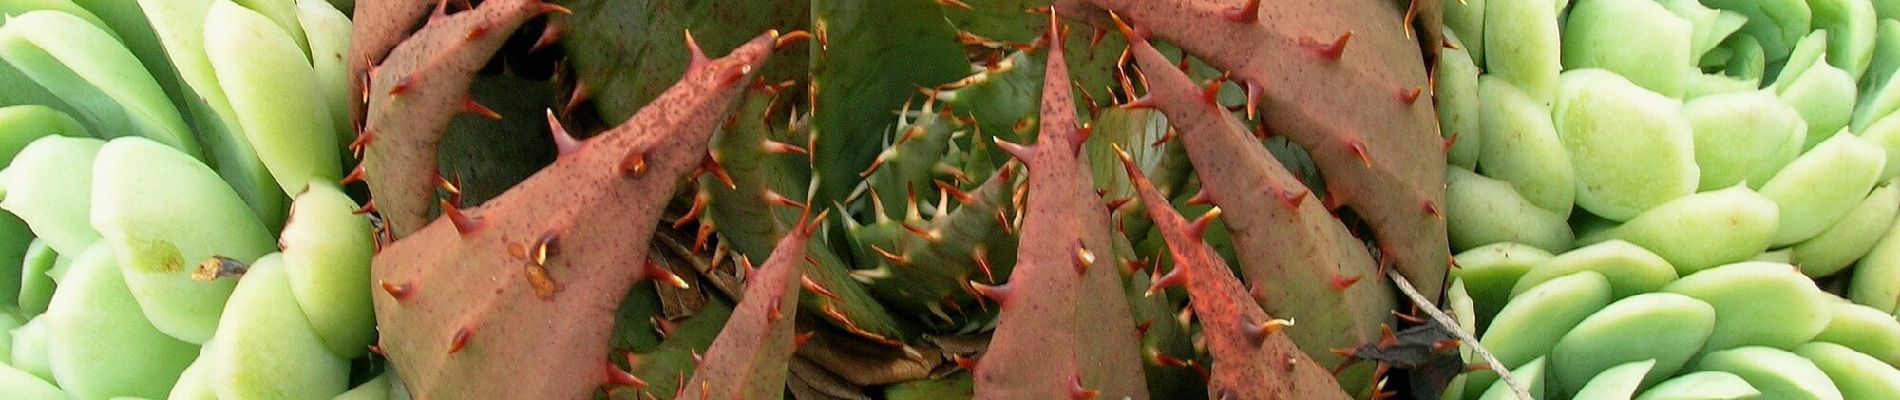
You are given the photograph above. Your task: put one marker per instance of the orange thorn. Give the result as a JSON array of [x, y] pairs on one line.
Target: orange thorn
[[1329, 51], [1410, 96], [549, 35], [1254, 91], [699, 206], [460, 340], [996, 293], [368, 207], [549, 8], [773, 198], [1083, 258], [1020, 152], [1201, 198], [581, 94], [785, 148], [1210, 92], [618, 377], [1245, 14], [653, 271], [398, 291], [1077, 392], [790, 37], [954, 4], [1340, 283], [470, 106], [361, 142], [814, 287], [1292, 198], [1176, 277], [356, 175], [1358, 148], [1432, 209], [718, 172], [636, 163], [888, 256], [1259, 333], [983, 262]]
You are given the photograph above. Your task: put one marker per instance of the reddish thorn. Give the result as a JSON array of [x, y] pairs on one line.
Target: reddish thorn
[[997, 293], [968, 363], [1176, 277], [1020, 152], [1258, 333], [1095, 39], [464, 223], [1340, 282], [1210, 92], [983, 262], [888, 256], [1145, 101], [477, 32], [460, 340], [470, 106], [785, 148], [361, 142], [1245, 14], [1201, 198], [1198, 228], [1358, 149], [1055, 31], [564, 142], [548, 8], [1292, 197], [812, 286], [1449, 141], [1081, 135], [581, 94], [696, 57], [376, 349], [1411, 14], [635, 163], [368, 207], [1134, 36], [1410, 96], [356, 175], [398, 291], [1117, 204], [618, 377], [775, 313], [1408, 318], [1387, 339], [1478, 366], [1432, 210], [1077, 392], [1254, 91], [790, 37], [921, 233], [1002, 221], [718, 172], [1330, 51], [699, 206], [1442, 345], [549, 35], [954, 4], [402, 86], [773, 198], [799, 340], [653, 271], [954, 192]]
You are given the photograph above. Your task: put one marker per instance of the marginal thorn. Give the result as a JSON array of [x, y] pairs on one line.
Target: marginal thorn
[[1198, 228], [1077, 392], [550, 8], [564, 142], [1254, 91], [785, 148], [1175, 278], [1201, 198], [998, 293], [773, 198], [1292, 197], [775, 313], [1245, 14], [954, 4], [1358, 149], [967, 362], [368, 207], [402, 86], [549, 35], [1341, 282], [356, 175], [618, 377], [790, 37], [983, 262], [814, 287], [1210, 93], [470, 106], [398, 291], [951, 190], [799, 340], [460, 340], [1331, 51], [699, 206], [464, 223], [893, 258], [1145, 101], [718, 172], [1432, 210], [696, 56], [652, 271], [1410, 96], [1020, 152], [1258, 333]]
